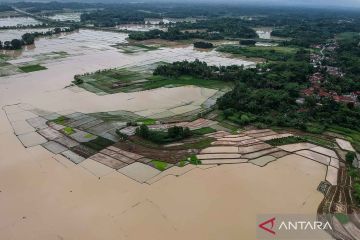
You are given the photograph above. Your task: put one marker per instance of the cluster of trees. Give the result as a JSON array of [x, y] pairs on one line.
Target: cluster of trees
[[5, 8], [215, 30], [36, 7], [226, 27], [346, 58], [113, 17], [29, 38], [173, 134], [200, 70], [348, 54], [40, 25], [310, 31], [247, 42], [265, 52], [269, 97], [203, 45], [173, 34]]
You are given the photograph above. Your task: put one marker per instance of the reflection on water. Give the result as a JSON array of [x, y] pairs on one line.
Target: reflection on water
[[18, 21]]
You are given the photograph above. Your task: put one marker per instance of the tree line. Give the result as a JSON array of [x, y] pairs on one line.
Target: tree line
[[29, 38]]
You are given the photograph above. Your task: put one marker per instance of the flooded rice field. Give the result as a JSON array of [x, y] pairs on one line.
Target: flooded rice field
[[18, 21], [10, 34], [264, 33], [140, 27], [73, 43], [88, 41], [73, 17], [157, 21]]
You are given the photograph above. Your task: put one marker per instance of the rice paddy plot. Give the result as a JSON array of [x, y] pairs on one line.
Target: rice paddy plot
[[54, 147], [75, 158], [111, 81], [130, 80], [32, 68], [31, 139], [139, 172]]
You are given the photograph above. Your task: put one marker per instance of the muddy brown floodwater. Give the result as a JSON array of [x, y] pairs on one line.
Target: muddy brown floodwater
[[46, 198]]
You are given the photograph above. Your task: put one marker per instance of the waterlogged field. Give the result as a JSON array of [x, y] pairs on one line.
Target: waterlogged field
[[73, 17], [264, 33], [140, 27], [18, 21], [10, 34]]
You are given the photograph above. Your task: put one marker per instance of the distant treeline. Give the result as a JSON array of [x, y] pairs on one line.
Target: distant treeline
[[5, 8], [226, 27], [40, 25], [309, 31], [173, 34], [36, 7], [113, 17]]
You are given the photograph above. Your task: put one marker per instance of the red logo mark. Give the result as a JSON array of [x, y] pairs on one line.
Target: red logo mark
[[272, 224]]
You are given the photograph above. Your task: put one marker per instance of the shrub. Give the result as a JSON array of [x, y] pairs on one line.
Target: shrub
[[121, 135], [247, 42], [203, 45], [350, 156]]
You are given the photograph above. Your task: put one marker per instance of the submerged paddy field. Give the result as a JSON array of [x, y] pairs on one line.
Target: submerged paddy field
[[125, 80]]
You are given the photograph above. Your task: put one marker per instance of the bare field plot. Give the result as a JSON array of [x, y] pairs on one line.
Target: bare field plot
[[139, 172]]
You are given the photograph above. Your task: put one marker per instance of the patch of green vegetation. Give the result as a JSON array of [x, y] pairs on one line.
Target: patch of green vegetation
[[60, 120], [173, 134], [4, 57], [319, 141], [352, 135], [274, 53], [355, 176], [316, 128], [68, 130], [347, 35], [182, 163], [343, 218], [147, 47], [229, 126], [164, 81], [88, 135], [200, 144], [32, 68], [194, 160], [98, 143], [159, 165], [119, 116], [110, 80], [203, 131], [146, 121], [133, 47], [299, 139], [285, 140], [349, 157], [123, 80]]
